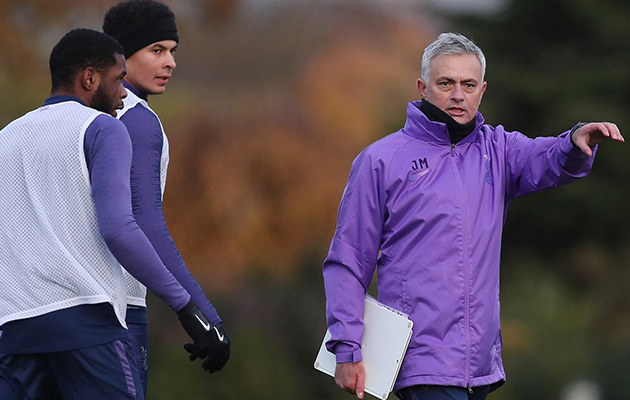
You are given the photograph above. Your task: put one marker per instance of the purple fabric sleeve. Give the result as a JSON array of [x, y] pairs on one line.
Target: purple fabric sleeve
[[147, 142], [350, 264], [108, 155], [543, 162]]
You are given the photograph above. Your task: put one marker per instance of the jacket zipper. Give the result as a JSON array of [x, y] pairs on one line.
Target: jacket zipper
[[466, 265]]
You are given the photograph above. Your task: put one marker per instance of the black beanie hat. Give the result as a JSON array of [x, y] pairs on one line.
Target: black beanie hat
[[137, 35]]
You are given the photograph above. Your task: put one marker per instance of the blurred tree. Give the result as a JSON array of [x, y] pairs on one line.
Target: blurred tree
[[219, 11]]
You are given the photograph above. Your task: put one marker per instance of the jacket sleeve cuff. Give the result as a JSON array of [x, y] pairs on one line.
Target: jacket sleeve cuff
[[347, 353]]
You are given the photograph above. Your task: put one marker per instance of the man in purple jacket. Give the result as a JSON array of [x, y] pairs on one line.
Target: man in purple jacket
[[147, 31], [66, 226], [426, 206]]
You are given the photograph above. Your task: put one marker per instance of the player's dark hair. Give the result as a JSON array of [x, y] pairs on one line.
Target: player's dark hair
[[78, 50]]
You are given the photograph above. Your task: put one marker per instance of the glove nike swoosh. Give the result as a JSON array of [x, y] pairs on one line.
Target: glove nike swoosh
[[219, 335], [205, 325]]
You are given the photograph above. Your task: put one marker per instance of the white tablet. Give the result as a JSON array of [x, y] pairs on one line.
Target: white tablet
[[386, 336]]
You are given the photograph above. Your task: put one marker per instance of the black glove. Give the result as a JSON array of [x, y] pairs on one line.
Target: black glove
[[211, 343]]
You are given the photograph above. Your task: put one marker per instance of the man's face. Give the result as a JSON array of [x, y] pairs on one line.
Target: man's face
[[110, 91], [150, 68], [455, 85]]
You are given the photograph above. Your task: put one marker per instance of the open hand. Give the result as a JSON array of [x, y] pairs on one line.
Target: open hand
[[589, 135]]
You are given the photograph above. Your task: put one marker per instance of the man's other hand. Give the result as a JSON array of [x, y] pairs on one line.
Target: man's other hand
[[351, 377]]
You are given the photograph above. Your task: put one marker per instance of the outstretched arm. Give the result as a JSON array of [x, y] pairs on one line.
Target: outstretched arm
[[587, 136]]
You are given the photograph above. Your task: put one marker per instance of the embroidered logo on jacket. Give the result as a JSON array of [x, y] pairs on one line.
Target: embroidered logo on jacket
[[486, 163], [419, 168]]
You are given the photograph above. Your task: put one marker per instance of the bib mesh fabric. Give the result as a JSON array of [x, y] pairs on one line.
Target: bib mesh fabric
[[52, 255]]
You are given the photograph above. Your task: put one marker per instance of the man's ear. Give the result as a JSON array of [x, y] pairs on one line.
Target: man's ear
[[422, 88], [89, 79], [483, 90]]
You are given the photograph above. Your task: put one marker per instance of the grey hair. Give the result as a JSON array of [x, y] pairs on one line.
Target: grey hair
[[450, 43]]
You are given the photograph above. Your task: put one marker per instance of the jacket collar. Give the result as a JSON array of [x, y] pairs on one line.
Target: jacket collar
[[419, 126]]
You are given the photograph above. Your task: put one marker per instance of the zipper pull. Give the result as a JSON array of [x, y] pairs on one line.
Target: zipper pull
[[470, 391]]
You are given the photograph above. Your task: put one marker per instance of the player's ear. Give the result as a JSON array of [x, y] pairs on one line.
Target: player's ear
[[89, 79]]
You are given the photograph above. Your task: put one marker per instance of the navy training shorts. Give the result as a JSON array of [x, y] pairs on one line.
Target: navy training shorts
[[139, 339], [102, 372], [429, 392]]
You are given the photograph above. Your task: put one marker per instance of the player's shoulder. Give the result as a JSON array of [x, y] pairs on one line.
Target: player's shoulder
[[139, 114], [105, 122], [135, 104]]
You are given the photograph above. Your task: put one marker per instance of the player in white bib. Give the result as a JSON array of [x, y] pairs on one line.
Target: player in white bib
[[66, 226], [147, 31]]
